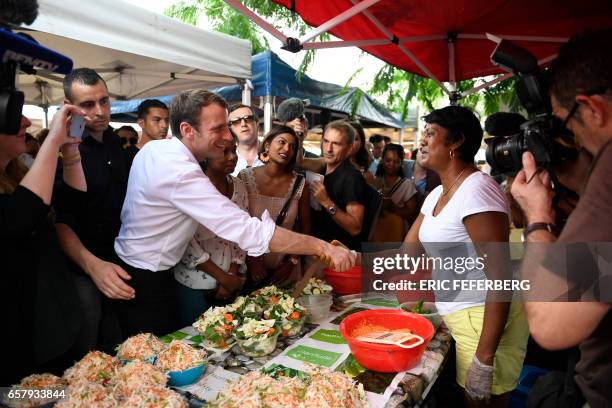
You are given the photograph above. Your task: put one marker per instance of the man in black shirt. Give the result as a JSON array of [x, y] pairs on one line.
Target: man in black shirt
[[342, 194], [87, 235]]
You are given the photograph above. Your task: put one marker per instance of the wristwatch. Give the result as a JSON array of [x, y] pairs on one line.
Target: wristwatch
[[332, 210], [552, 228]]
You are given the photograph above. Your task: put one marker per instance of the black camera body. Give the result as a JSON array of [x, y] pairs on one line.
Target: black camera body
[[544, 135]]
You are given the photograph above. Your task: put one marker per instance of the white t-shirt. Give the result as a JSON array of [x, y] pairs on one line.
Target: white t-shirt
[[168, 195], [242, 164], [478, 193]]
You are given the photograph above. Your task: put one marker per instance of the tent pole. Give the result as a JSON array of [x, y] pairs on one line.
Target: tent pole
[[46, 111], [257, 20], [246, 86], [267, 113], [340, 18]]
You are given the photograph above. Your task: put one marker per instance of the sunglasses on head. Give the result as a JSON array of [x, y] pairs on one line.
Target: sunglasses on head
[[247, 119]]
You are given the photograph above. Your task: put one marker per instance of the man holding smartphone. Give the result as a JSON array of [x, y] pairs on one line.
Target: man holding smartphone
[[86, 236]]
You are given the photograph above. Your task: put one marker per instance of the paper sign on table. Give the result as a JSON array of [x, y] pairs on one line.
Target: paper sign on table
[[212, 383]]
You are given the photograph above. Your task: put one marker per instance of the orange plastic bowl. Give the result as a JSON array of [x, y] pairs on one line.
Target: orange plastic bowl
[[383, 357], [346, 282]]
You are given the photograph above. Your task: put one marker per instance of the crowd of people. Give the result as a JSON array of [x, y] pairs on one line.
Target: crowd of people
[[117, 233]]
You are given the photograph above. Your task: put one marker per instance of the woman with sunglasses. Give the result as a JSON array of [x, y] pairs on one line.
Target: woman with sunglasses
[[277, 188]]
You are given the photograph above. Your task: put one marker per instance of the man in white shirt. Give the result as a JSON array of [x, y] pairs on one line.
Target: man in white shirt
[[168, 196], [243, 122]]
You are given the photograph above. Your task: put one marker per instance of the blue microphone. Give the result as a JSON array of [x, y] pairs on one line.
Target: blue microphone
[[24, 51], [19, 52]]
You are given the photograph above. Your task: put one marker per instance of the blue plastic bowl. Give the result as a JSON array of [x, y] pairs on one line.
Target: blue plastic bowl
[[185, 377]]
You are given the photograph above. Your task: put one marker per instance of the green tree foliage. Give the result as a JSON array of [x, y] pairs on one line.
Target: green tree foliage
[[225, 19], [401, 88]]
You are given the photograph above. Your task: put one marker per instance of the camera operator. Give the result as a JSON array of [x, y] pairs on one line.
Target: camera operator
[[581, 97], [38, 299]]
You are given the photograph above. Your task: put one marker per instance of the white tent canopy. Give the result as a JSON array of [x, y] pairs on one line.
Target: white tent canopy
[[139, 53]]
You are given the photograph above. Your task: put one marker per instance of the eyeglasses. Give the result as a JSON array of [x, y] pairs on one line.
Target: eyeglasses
[[589, 92], [248, 119]]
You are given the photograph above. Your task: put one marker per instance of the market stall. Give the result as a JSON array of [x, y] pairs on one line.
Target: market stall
[[274, 80], [322, 344]]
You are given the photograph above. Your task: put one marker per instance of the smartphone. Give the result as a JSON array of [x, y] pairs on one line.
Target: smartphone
[[77, 125]]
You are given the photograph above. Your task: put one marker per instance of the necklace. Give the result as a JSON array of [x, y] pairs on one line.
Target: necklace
[[454, 182]]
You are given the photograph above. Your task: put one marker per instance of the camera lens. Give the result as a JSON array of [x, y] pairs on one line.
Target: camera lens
[[504, 153]]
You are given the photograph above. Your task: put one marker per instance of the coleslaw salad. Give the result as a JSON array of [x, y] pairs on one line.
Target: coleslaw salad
[[179, 356], [143, 346]]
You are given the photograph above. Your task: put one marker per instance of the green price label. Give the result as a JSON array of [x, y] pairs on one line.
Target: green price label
[[329, 336], [381, 302], [314, 355]]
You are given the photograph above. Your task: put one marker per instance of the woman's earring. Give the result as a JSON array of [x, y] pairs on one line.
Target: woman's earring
[[265, 157], [451, 154]]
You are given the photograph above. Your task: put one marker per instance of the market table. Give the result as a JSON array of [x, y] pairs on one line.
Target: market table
[[322, 344]]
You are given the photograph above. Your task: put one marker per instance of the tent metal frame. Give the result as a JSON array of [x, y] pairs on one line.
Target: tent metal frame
[[361, 7]]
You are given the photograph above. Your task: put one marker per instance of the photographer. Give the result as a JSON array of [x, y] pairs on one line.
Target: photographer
[[581, 97], [38, 299]]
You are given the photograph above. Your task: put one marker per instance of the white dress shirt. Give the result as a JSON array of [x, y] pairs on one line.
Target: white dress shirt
[[203, 247], [242, 164], [168, 195]]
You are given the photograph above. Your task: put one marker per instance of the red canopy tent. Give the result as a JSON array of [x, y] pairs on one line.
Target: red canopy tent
[[445, 40]]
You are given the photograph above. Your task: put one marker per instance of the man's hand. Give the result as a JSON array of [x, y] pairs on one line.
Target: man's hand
[[109, 278], [533, 192], [222, 294], [231, 283], [297, 125], [256, 269], [338, 258], [320, 194]]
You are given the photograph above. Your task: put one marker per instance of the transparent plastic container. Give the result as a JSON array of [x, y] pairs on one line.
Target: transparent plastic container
[[253, 347]]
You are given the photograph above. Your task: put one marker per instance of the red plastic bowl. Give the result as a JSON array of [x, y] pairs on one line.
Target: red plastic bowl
[[344, 282], [383, 357]]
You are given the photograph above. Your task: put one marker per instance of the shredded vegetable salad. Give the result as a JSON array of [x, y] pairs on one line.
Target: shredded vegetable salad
[[216, 326], [179, 356], [323, 388], [137, 374], [95, 366], [83, 394], [143, 346], [256, 389], [252, 328], [285, 308], [333, 389], [154, 397], [316, 286], [45, 380], [267, 296], [245, 307]]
